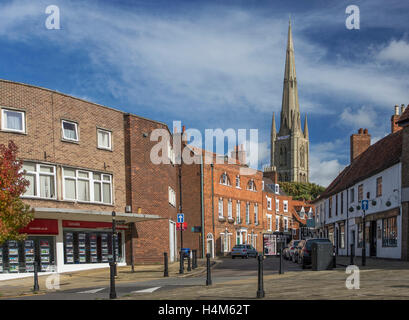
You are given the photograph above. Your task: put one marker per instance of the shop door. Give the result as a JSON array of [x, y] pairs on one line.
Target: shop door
[[372, 237]]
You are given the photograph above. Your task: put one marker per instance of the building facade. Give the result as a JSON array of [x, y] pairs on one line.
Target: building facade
[[290, 146]]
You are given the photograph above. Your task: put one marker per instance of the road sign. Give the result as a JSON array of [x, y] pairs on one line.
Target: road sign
[[181, 226], [181, 218], [365, 204]]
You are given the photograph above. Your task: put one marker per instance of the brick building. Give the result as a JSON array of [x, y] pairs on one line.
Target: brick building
[[84, 161]]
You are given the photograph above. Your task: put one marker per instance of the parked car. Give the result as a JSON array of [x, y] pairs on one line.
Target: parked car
[[288, 252], [296, 251], [243, 251], [304, 252]]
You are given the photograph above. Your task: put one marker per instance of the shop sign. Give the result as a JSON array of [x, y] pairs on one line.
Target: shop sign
[[41, 226], [91, 225]]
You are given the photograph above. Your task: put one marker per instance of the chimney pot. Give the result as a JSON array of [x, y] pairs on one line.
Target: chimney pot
[[360, 131], [402, 108], [365, 131], [183, 129], [396, 110], [359, 143]]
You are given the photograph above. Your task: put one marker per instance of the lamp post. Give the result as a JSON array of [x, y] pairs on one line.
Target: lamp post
[[114, 241]]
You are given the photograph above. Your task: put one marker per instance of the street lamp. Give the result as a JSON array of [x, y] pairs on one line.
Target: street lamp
[[114, 240]]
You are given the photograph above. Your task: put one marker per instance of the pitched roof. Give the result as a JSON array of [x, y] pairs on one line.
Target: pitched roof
[[379, 156]]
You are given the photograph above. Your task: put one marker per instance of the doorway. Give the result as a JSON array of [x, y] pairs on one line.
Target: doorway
[[172, 241], [372, 237]]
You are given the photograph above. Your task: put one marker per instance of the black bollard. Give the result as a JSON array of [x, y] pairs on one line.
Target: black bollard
[[189, 262], [166, 271], [112, 292], [260, 291], [352, 255], [281, 271], [36, 286], [194, 262], [182, 267], [209, 276]]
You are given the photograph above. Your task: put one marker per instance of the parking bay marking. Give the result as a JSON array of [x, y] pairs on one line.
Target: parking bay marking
[[92, 291], [149, 290]]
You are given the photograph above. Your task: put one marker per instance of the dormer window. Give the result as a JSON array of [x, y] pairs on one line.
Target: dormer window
[[277, 189], [237, 181], [224, 179]]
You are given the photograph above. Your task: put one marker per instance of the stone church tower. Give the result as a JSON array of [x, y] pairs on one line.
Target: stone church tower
[[290, 147]]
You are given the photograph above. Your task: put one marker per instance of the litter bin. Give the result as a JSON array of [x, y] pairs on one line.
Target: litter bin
[[321, 256]]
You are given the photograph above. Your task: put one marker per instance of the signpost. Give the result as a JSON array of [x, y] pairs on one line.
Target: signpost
[[364, 206], [181, 225]]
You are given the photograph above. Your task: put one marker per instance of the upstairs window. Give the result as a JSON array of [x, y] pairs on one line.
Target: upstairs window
[[12, 120], [277, 188], [230, 209], [285, 205], [277, 223], [238, 217], [172, 197], [237, 181], [247, 213], [251, 185], [285, 224], [69, 130], [277, 205], [42, 180], [104, 139], [269, 203], [352, 195], [256, 213], [379, 187], [220, 207], [360, 192], [224, 179]]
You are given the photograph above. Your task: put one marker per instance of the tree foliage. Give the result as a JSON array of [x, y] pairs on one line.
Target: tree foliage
[[14, 214], [302, 191]]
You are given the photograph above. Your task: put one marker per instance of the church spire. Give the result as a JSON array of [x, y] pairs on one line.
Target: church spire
[[305, 127], [290, 104]]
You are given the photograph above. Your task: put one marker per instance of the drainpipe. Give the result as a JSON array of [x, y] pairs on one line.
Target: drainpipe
[[202, 207], [214, 236]]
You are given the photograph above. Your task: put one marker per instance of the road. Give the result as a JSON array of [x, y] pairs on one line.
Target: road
[[225, 270]]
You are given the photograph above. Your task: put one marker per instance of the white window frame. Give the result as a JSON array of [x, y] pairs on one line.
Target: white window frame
[[248, 213], [269, 203], [230, 209], [76, 131], [277, 189], [285, 205], [285, 224], [3, 123], [238, 182], [37, 175], [91, 185], [109, 139], [225, 177], [172, 196], [277, 223], [238, 212], [269, 222], [256, 214], [277, 205], [221, 207], [251, 185]]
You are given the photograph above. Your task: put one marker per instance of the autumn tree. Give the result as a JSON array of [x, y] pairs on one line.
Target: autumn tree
[[14, 213]]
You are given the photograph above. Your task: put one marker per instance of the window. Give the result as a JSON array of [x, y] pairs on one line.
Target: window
[[285, 224], [342, 202], [104, 139], [256, 213], [379, 187], [277, 204], [247, 213], [360, 192], [87, 186], [224, 179], [270, 222], [342, 236], [69, 130], [251, 185], [237, 181], [230, 209], [13, 120], [42, 180], [277, 188], [390, 232], [352, 195], [269, 203], [172, 197], [277, 223], [285, 206], [262, 185], [330, 207], [238, 218], [221, 207]]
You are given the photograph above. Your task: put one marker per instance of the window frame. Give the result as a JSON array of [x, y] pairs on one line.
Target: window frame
[[256, 214], [248, 213], [387, 229], [379, 187], [238, 211], [37, 174], [3, 124], [269, 203], [221, 203], [230, 209], [285, 205], [110, 139], [76, 131]]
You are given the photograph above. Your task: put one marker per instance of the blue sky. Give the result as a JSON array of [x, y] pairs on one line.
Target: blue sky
[[220, 64]]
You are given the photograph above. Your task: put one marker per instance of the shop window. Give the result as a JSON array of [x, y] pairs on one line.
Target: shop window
[[104, 139], [87, 186], [13, 120], [42, 180], [69, 130], [390, 232]]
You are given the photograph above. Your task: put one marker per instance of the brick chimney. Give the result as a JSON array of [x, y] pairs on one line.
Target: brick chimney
[[239, 154], [395, 118], [359, 143], [273, 175]]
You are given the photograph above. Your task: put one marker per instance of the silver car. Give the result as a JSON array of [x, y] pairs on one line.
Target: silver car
[[243, 251]]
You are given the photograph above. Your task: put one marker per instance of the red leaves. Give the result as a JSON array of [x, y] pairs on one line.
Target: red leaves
[[14, 214]]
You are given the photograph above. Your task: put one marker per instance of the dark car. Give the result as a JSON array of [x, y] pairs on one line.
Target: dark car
[[304, 251], [243, 251]]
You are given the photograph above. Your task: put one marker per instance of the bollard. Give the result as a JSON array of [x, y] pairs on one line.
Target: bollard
[[181, 260], [166, 271], [36, 286], [281, 271], [260, 291], [189, 263], [194, 262], [352, 255], [209, 276], [112, 292]]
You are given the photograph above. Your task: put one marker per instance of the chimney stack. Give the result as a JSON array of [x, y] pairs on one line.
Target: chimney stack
[[359, 143], [273, 175], [184, 137], [239, 154], [395, 118]]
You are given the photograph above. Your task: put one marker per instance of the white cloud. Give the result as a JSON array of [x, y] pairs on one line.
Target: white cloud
[[395, 51], [363, 117]]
